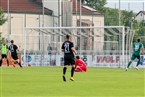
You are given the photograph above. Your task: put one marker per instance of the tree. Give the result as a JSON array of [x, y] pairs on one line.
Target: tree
[[127, 19], [141, 30], [110, 17], [140, 33], [97, 4], [2, 19]]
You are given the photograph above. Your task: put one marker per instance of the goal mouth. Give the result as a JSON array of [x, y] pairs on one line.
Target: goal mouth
[[90, 40]]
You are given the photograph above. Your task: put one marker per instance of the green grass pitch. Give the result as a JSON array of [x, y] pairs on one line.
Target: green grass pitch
[[47, 82]]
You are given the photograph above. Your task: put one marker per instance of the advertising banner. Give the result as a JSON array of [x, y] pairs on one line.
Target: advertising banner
[[86, 58], [90, 60], [106, 61], [38, 60]]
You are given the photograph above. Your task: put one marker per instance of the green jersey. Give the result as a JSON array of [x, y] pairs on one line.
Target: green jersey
[[137, 47], [4, 49]]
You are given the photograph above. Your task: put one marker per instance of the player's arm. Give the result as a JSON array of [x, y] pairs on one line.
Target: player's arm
[[9, 50], [17, 49], [62, 47], [74, 50]]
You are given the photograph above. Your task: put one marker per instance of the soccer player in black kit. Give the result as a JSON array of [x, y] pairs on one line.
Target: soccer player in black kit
[[13, 50], [69, 59]]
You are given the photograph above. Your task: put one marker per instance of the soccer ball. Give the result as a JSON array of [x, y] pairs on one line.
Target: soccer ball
[[29, 64]]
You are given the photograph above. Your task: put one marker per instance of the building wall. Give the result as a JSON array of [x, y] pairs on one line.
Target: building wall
[[140, 17], [14, 29]]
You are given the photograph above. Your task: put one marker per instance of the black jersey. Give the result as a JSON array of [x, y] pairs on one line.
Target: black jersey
[[13, 49], [67, 47]]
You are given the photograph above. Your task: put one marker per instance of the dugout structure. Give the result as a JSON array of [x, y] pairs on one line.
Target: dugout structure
[[94, 40]]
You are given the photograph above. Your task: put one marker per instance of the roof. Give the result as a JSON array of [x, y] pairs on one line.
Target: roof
[[24, 6], [85, 8], [140, 12]]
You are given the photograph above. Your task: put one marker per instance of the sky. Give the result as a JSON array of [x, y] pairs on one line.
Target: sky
[[129, 5]]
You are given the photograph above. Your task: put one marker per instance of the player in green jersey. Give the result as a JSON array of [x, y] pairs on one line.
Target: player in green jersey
[[137, 47]]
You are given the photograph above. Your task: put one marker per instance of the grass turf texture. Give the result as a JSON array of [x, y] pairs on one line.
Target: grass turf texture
[[47, 82]]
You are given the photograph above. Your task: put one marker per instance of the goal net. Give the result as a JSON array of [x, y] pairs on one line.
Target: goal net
[[98, 46]]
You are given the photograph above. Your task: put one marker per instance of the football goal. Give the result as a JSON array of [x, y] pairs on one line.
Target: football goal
[[101, 46]]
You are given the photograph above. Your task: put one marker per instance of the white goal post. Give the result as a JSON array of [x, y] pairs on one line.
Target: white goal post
[[107, 35]]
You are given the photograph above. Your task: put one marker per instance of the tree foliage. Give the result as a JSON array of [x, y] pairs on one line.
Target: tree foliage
[[2, 19], [110, 17], [128, 19], [97, 4]]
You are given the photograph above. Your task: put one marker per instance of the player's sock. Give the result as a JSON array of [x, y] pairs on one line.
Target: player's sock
[[0, 63], [7, 62], [129, 64], [20, 65], [72, 71], [138, 63], [64, 79], [72, 74], [64, 70]]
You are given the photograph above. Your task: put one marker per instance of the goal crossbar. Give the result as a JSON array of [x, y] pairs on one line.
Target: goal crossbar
[[83, 27]]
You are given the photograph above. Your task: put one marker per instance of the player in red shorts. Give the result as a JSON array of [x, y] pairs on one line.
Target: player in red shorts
[[80, 65]]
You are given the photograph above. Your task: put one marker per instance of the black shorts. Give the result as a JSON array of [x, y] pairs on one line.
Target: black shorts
[[4, 56], [14, 56], [69, 59]]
